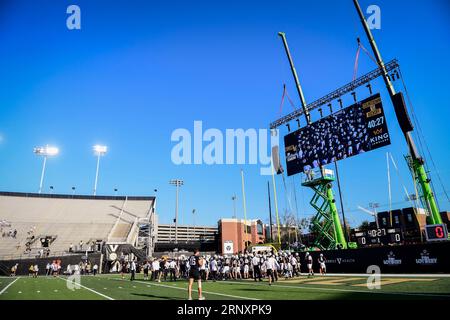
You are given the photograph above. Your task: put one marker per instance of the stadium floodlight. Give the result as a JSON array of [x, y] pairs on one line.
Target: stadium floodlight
[[45, 152], [177, 183], [99, 151], [193, 224]]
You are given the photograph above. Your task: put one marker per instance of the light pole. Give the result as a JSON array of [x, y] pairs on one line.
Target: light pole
[[45, 152], [193, 222], [177, 183], [99, 151], [374, 206], [234, 206], [151, 229]]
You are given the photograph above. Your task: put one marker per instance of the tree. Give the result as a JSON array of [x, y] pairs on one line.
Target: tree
[[364, 225], [305, 225]]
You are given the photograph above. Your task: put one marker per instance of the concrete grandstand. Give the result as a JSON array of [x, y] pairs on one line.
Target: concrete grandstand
[[60, 224]]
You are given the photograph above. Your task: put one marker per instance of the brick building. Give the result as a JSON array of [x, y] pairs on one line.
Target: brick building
[[236, 234]]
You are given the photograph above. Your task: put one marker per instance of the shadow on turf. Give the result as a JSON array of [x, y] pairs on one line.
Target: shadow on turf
[[254, 289], [154, 296]]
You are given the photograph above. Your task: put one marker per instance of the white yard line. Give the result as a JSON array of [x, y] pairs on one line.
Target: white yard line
[[92, 290], [9, 285], [345, 290], [184, 289]]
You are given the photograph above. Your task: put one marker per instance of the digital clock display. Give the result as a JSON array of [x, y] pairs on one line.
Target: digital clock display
[[378, 236]]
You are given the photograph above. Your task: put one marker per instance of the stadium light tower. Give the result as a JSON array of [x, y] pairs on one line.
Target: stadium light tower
[[177, 183], [99, 151], [193, 223], [45, 152]]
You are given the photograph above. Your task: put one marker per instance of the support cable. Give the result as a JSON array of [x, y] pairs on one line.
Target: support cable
[[421, 138]]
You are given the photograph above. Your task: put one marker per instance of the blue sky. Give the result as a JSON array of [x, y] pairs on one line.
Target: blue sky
[[137, 70]]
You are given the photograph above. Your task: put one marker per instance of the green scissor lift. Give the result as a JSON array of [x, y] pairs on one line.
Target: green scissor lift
[[326, 222]]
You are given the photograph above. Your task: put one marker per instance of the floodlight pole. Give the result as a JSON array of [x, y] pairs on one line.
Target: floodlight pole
[[96, 173], [417, 162], [297, 81], [193, 222], [177, 183], [44, 152], [42, 173], [374, 206], [176, 218]]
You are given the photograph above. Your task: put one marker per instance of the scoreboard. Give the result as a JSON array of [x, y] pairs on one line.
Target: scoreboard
[[436, 232], [380, 236], [356, 129]]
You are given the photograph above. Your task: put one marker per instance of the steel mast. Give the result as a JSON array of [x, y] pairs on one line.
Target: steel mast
[[416, 161], [332, 235], [297, 82]]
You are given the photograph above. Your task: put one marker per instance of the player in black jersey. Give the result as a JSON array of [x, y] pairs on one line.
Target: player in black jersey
[[195, 261]]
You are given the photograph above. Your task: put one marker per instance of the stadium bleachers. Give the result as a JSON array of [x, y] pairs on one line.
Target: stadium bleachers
[[68, 220]]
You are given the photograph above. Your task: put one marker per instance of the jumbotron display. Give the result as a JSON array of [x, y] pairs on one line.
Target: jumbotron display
[[358, 128]]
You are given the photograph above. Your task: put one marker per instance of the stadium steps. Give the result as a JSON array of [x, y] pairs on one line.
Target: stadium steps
[[71, 220], [120, 232]]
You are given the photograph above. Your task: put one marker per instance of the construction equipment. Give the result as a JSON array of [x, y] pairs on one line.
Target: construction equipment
[[415, 161], [326, 222]]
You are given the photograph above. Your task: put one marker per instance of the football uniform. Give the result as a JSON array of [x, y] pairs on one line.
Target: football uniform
[[194, 270]]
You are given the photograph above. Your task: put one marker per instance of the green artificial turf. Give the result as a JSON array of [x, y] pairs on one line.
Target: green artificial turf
[[113, 287]]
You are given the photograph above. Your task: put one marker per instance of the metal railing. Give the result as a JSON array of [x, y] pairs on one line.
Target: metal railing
[[391, 65]]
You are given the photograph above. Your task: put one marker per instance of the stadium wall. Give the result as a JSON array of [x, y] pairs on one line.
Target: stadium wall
[[24, 264]]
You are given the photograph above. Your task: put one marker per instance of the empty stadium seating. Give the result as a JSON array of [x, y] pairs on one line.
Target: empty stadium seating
[[68, 219]]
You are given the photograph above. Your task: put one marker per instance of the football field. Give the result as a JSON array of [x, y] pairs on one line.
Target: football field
[[330, 287]]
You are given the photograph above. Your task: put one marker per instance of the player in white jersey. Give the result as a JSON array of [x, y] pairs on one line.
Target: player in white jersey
[[270, 266], [323, 267], [309, 263], [214, 268]]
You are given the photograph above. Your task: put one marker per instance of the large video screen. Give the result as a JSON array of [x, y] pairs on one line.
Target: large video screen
[[356, 129]]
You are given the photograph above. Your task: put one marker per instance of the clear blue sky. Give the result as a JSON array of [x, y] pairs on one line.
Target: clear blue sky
[[137, 70]]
